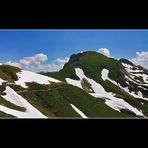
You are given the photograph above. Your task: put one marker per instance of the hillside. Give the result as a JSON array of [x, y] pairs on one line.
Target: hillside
[[89, 85], [119, 80]]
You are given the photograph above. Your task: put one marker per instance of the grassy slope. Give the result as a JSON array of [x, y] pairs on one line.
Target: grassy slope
[[8, 73], [56, 102], [10, 105], [92, 64], [4, 115]]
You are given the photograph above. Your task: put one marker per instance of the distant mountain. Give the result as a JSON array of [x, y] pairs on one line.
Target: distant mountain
[[89, 85]]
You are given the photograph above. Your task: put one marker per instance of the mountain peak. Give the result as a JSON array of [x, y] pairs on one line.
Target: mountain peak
[[77, 57], [122, 60]]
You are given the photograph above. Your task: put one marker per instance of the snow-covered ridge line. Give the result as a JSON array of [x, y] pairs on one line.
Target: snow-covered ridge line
[[78, 111], [127, 65], [13, 97], [105, 73], [113, 102], [131, 72], [27, 76]]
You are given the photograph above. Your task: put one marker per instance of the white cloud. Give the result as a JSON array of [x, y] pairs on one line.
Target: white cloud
[[14, 64], [58, 64], [141, 59], [104, 51], [36, 59], [35, 63], [62, 61]]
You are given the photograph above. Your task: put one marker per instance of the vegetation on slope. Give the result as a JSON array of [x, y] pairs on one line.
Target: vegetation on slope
[[10, 105], [8, 72], [56, 102], [4, 115], [92, 64]]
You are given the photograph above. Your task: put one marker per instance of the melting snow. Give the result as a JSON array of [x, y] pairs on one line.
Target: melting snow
[[18, 114], [129, 69], [127, 65], [127, 77], [1, 81], [27, 76], [13, 97], [140, 96], [113, 102], [78, 111], [74, 82], [104, 74], [144, 76]]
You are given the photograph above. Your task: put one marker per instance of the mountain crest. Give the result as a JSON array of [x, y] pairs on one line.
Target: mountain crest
[[122, 60]]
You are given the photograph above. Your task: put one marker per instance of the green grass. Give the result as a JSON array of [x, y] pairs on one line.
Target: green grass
[[11, 105], [16, 87], [50, 104], [36, 86], [90, 106], [8, 72], [92, 64], [4, 115], [56, 103]]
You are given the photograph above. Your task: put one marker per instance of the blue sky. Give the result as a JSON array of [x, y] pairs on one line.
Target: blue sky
[[14, 45]]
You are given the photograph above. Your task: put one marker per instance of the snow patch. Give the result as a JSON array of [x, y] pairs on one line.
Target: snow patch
[[74, 82], [127, 65], [104, 74], [78, 111], [127, 83], [13, 97], [144, 76], [1, 81], [140, 96], [27, 76], [127, 77], [113, 102], [142, 87], [17, 113]]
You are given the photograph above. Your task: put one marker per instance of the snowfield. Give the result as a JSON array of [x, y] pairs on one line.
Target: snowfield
[[18, 113], [113, 102], [140, 96], [13, 97], [1, 81], [145, 77], [78, 111], [74, 82], [104, 74], [27, 76], [127, 66], [127, 77], [133, 74]]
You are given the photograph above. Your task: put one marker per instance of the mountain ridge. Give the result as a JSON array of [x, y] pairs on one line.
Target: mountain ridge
[[89, 85]]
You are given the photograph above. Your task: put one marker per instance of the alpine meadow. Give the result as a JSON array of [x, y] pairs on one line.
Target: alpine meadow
[[74, 74]]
